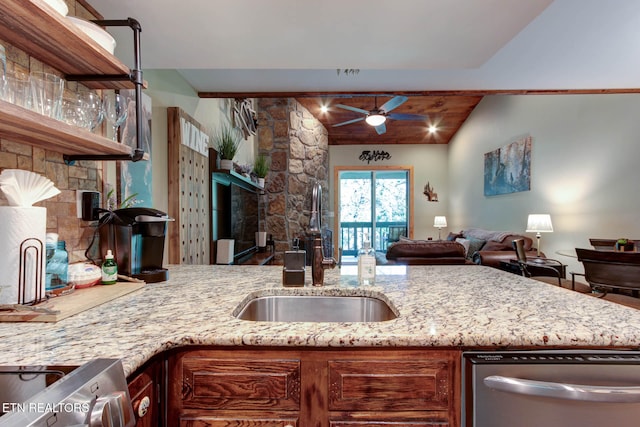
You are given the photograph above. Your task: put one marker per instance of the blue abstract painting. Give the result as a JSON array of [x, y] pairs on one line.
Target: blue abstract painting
[[508, 168]]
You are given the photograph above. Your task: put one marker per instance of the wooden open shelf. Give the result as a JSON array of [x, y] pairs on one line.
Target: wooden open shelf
[[28, 127], [36, 28]]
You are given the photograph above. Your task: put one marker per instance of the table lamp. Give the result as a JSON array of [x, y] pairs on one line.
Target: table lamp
[[539, 223], [440, 222]]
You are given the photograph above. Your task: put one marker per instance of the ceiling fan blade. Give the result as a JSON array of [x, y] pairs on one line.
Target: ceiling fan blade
[[399, 116], [348, 122], [381, 129], [394, 102], [348, 107]]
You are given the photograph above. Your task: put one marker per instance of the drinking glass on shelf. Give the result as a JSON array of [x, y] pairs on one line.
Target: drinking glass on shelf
[[92, 109], [116, 111], [47, 90], [17, 89], [72, 110]]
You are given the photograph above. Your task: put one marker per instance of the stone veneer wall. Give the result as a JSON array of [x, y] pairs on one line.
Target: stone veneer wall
[[85, 175], [298, 146]]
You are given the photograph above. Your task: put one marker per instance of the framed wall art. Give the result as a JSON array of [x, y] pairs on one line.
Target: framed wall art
[[508, 169]]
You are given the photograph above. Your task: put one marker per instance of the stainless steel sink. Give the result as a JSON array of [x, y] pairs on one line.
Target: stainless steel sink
[[316, 308]]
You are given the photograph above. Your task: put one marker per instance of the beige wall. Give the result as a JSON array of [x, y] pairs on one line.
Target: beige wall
[[429, 165], [584, 168]]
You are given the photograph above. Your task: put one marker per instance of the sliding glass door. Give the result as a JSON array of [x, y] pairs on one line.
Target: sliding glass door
[[374, 206]]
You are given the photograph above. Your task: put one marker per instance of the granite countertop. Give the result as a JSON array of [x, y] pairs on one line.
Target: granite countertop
[[438, 306]]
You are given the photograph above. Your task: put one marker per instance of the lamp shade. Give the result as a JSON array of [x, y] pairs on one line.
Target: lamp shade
[[539, 223], [440, 221], [375, 119]]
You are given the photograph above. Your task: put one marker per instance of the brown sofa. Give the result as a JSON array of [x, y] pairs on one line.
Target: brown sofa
[[426, 252], [471, 246], [494, 251]]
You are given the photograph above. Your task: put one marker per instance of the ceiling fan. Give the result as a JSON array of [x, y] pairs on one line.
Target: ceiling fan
[[378, 116]]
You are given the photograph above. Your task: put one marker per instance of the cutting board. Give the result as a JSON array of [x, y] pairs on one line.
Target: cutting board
[[76, 302]]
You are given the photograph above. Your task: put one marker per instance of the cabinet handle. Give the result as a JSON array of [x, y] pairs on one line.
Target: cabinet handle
[[586, 393]]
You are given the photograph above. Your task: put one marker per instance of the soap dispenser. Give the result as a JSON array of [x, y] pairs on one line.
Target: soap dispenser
[[366, 264], [294, 266]]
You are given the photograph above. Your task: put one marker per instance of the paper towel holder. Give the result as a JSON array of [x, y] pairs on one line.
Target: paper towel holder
[[28, 246]]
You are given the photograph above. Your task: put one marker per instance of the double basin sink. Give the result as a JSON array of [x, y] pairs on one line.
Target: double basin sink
[[315, 308]]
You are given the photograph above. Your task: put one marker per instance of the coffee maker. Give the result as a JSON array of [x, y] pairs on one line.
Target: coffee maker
[[136, 237]]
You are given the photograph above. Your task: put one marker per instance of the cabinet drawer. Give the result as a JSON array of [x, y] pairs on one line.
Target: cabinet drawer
[[223, 421], [390, 385], [217, 383], [384, 423]]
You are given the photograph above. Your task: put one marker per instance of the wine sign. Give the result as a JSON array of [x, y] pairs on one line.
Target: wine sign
[[374, 156]]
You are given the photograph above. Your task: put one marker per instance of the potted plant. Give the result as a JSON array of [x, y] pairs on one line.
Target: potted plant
[[624, 245], [261, 168], [227, 140]]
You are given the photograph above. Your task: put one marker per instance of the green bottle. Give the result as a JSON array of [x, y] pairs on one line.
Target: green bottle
[[109, 269]]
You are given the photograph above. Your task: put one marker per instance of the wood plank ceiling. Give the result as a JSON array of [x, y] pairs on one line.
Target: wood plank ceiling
[[447, 113]]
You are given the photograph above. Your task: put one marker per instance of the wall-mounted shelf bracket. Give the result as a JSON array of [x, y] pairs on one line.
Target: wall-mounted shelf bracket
[[135, 76]]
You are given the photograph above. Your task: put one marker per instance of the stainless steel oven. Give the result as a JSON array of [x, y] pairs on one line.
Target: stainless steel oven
[[551, 388], [94, 394]]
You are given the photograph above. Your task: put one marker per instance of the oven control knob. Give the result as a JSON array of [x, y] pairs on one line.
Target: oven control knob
[[110, 411], [141, 407]]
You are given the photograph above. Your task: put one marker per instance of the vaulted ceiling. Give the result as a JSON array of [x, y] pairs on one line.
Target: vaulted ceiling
[[445, 113], [447, 54]]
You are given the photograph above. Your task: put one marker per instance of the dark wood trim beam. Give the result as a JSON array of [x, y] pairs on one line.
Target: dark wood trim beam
[[418, 93]]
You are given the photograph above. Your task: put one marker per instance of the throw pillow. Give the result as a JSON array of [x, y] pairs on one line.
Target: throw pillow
[[453, 236], [465, 243], [474, 246]]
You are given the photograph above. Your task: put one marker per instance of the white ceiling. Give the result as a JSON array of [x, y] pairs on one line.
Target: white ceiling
[[398, 45]]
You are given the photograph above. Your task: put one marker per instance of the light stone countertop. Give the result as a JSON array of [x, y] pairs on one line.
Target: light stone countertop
[[438, 306]]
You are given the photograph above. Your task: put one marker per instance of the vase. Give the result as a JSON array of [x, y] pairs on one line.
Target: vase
[[261, 182], [226, 164]]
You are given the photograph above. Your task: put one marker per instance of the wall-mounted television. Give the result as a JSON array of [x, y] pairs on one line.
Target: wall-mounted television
[[235, 214]]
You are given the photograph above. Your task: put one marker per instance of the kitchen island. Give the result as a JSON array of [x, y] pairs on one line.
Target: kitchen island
[[437, 306]]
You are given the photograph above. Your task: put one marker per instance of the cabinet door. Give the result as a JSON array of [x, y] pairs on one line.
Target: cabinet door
[[390, 385], [143, 390], [217, 383]]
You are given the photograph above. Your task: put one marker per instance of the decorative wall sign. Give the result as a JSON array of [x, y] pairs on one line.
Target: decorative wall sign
[[508, 168], [189, 192], [432, 196], [374, 156], [244, 117]]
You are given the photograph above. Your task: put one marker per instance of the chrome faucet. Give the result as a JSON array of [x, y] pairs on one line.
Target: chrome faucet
[[318, 261]]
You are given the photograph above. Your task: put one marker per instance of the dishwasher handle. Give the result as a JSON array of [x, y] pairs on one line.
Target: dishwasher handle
[[585, 393]]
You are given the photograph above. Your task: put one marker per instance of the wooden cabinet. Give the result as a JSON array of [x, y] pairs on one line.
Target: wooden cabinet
[[36, 28], [314, 387], [234, 388], [145, 392]]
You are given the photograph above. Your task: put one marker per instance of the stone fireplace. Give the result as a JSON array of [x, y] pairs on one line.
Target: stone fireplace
[[298, 146]]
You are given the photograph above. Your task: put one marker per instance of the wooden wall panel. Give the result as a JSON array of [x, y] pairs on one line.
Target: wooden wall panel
[[188, 194]]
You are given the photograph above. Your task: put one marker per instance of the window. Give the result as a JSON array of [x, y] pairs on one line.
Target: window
[[374, 205]]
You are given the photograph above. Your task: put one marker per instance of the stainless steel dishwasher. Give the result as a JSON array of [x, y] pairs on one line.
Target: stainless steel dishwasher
[[551, 388]]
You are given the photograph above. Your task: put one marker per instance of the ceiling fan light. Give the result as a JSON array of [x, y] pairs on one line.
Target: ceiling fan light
[[375, 119]]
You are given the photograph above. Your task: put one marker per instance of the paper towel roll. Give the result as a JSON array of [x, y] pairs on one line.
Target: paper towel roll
[[22, 234]]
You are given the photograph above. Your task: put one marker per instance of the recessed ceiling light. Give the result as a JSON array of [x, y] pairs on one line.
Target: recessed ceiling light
[[433, 128], [324, 108]]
